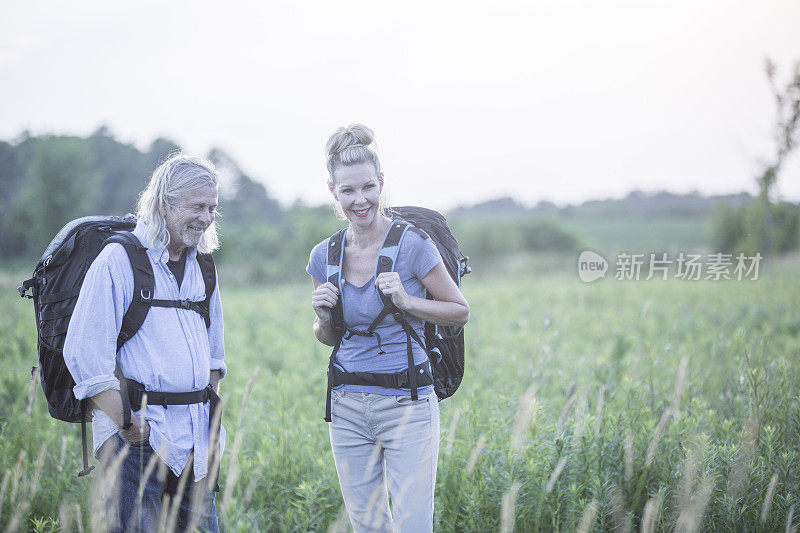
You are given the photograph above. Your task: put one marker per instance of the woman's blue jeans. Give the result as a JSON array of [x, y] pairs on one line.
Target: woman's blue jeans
[[373, 435]]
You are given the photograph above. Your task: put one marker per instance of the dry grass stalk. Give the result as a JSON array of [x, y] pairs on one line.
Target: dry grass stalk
[[16, 520], [687, 485], [376, 506], [790, 527], [233, 465], [667, 414], [37, 474], [69, 517], [4, 487], [106, 487], [62, 455], [17, 476], [645, 308], [691, 516], [601, 396], [527, 403], [679, 383], [508, 515], [251, 489], [589, 513], [628, 454], [148, 470], [64, 517], [650, 514], [342, 522], [659, 432], [618, 512], [562, 418], [166, 502], [476, 452], [78, 517], [175, 504], [199, 491], [768, 498], [556, 472], [451, 433], [702, 498], [580, 415], [741, 462], [32, 389], [246, 397]]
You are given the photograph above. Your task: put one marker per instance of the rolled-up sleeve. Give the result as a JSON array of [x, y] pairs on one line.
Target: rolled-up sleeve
[[216, 340], [90, 345]]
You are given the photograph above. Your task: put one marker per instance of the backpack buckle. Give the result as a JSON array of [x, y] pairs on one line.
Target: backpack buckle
[[464, 267], [185, 304]]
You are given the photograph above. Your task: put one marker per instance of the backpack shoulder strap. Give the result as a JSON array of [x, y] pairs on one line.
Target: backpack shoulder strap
[[209, 272], [143, 285], [334, 274], [132, 320], [387, 255]]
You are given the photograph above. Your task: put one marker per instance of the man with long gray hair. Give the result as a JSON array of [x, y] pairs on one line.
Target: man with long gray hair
[[155, 424]]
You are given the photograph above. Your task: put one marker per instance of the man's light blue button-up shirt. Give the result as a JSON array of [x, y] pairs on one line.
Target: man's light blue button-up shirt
[[172, 351]]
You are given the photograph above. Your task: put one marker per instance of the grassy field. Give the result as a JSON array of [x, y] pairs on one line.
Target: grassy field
[[621, 406]]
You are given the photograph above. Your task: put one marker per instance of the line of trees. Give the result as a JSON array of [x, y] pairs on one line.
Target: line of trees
[[51, 179]]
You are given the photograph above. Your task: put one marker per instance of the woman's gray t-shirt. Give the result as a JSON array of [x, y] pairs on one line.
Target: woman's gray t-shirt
[[415, 259]]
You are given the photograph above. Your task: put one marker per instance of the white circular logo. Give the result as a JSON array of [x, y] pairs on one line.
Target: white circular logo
[[591, 266]]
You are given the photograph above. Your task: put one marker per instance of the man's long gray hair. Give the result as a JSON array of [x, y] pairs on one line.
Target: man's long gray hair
[[170, 182]]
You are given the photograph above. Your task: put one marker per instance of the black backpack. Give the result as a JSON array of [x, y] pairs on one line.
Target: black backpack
[[55, 286], [443, 344]]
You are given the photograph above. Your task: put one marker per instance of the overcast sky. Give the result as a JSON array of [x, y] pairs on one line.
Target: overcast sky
[[557, 100]]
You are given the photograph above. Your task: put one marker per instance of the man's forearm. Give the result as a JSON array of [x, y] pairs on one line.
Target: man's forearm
[[110, 402]]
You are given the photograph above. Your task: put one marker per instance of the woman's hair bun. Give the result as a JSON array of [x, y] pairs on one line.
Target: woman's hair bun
[[353, 135]]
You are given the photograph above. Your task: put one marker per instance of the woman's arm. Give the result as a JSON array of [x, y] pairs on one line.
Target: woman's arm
[[323, 299], [449, 307]]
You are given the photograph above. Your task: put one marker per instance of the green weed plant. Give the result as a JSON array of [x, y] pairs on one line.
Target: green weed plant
[[624, 406]]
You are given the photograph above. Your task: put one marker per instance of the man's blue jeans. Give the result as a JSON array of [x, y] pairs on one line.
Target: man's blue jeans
[[141, 505]]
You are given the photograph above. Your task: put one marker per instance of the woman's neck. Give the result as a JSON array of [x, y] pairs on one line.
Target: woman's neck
[[372, 235]]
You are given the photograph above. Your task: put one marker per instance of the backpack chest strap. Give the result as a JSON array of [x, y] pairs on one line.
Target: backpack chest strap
[[197, 307]]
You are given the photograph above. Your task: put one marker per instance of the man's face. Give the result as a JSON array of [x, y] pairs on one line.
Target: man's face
[[190, 217]]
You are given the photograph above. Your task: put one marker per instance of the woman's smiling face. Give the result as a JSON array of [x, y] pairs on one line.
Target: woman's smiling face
[[357, 188]]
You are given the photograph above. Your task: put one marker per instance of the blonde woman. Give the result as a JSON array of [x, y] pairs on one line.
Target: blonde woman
[[378, 428]]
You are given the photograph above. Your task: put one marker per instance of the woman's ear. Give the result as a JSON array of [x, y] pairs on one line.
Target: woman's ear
[[162, 208], [332, 188], [380, 180]]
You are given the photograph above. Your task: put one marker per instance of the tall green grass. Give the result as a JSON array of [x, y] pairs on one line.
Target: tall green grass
[[626, 406]]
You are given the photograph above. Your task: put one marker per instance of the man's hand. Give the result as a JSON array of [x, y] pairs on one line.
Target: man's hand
[[138, 432]]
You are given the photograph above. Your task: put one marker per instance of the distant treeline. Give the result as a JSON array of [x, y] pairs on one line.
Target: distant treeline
[[46, 181]]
